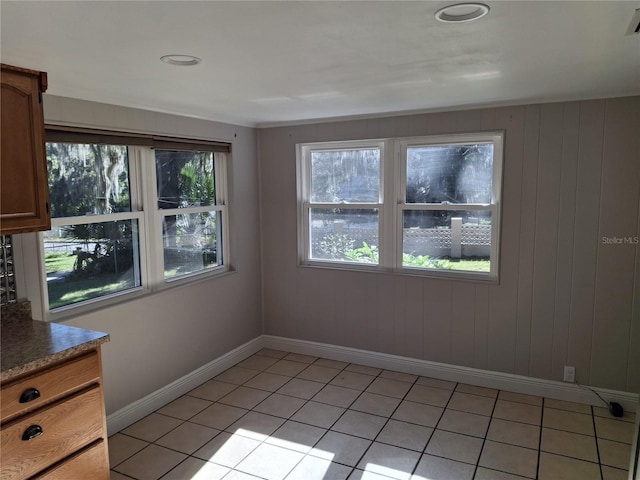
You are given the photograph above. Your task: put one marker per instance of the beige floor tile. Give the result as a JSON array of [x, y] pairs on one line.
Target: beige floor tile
[[509, 458], [488, 474], [338, 396], [122, 447], [237, 375], [394, 462], [358, 474], [244, 397], [436, 468], [213, 390], [150, 463], [317, 373], [270, 462], [616, 430], [434, 382], [569, 444], [454, 446], [340, 448], [556, 467], [354, 380], [296, 436], [218, 416], [152, 427], [471, 403], [269, 352], [389, 387], [118, 476], [187, 438], [280, 405], [236, 475], [196, 469], [314, 468], [568, 421], [429, 395], [184, 407], [256, 425], [405, 435], [518, 412], [604, 412], [568, 406], [514, 433], [298, 357], [354, 367], [476, 390], [403, 377], [359, 424], [610, 473], [614, 454], [463, 422], [226, 449], [300, 388], [375, 404], [325, 362], [257, 362], [287, 368], [419, 413], [267, 381], [318, 414], [520, 397]]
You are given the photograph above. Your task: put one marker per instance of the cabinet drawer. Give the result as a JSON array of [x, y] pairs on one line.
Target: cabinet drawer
[[51, 384], [90, 463], [65, 427]]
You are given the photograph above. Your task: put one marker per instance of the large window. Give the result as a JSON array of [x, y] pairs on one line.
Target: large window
[[128, 218], [432, 207]]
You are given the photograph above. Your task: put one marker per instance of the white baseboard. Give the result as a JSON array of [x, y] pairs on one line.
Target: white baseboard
[[150, 403], [453, 373]]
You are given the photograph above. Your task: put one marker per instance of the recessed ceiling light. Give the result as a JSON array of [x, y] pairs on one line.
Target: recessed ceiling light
[[462, 12], [181, 60]]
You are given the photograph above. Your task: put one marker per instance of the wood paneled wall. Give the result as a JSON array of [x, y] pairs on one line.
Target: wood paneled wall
[[565, 297]]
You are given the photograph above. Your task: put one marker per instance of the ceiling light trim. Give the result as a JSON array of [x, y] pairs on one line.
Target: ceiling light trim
[[181, 60], [462, 12]]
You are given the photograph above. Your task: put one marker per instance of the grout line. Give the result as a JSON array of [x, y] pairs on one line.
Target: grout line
[[595, 439], [486, 434]]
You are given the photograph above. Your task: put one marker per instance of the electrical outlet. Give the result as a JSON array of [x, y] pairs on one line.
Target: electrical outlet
[[569, 374]]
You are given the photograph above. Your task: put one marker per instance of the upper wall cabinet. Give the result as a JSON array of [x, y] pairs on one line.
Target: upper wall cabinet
[[24, 194]]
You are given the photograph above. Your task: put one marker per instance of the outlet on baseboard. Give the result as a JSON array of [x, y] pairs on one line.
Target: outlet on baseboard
[[569, 374]]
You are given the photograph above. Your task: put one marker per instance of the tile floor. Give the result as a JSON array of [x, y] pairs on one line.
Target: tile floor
[[279, 415]]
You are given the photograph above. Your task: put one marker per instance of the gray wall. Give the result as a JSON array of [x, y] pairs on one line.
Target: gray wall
[[571, 177], [162, 337]]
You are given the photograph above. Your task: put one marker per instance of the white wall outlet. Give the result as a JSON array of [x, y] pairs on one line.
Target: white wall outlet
[[569, 374]]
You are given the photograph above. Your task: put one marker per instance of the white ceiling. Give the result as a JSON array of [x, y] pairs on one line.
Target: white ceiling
[[266, 62]]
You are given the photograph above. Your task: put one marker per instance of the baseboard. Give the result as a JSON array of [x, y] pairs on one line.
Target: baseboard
[[150, 403], [484, 378]]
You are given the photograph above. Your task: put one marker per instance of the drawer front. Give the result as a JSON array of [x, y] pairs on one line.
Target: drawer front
[[91, 463], [48, 385], [57, 430]]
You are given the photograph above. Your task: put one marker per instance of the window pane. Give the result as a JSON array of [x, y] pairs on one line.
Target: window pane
[[346, 176], [185, 179], [340, 235], [91, 260], [191, 243], [452, 240], [88, 179], [450, 173]]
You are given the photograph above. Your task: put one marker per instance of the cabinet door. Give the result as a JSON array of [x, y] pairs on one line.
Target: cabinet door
[[24, 202]]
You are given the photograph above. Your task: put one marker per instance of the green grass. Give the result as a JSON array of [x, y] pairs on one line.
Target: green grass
[[59, 262], [471, 265]]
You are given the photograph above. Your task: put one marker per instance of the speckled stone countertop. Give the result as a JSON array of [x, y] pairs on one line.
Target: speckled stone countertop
[[30, 344]]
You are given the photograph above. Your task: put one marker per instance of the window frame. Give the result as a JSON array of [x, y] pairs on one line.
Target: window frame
[[393, 188]]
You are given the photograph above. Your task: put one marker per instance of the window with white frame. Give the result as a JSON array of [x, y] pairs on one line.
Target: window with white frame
[[432, 207], [131, 214]]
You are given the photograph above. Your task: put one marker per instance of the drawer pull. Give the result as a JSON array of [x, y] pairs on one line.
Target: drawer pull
[[32, 432], [29, 395]]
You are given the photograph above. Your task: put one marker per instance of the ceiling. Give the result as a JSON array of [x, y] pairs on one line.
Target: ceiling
[[268, 62]]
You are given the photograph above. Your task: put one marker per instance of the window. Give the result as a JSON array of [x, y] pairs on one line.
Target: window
[[444, 217], [129, 218]]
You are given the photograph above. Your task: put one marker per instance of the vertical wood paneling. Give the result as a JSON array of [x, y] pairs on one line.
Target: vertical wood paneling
[[415, 316], [399, 316], [463, 298], [385, 310], [616, 262], [546, 239], [437, 318], [586, 237], [633, 375], [481, 331], [444, 122]]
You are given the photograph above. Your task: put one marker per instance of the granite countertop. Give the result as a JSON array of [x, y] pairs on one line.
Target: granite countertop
[[31, 344]]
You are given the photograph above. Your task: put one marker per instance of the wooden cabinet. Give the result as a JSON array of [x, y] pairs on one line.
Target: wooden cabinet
[[54, 424], [24, 192]]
